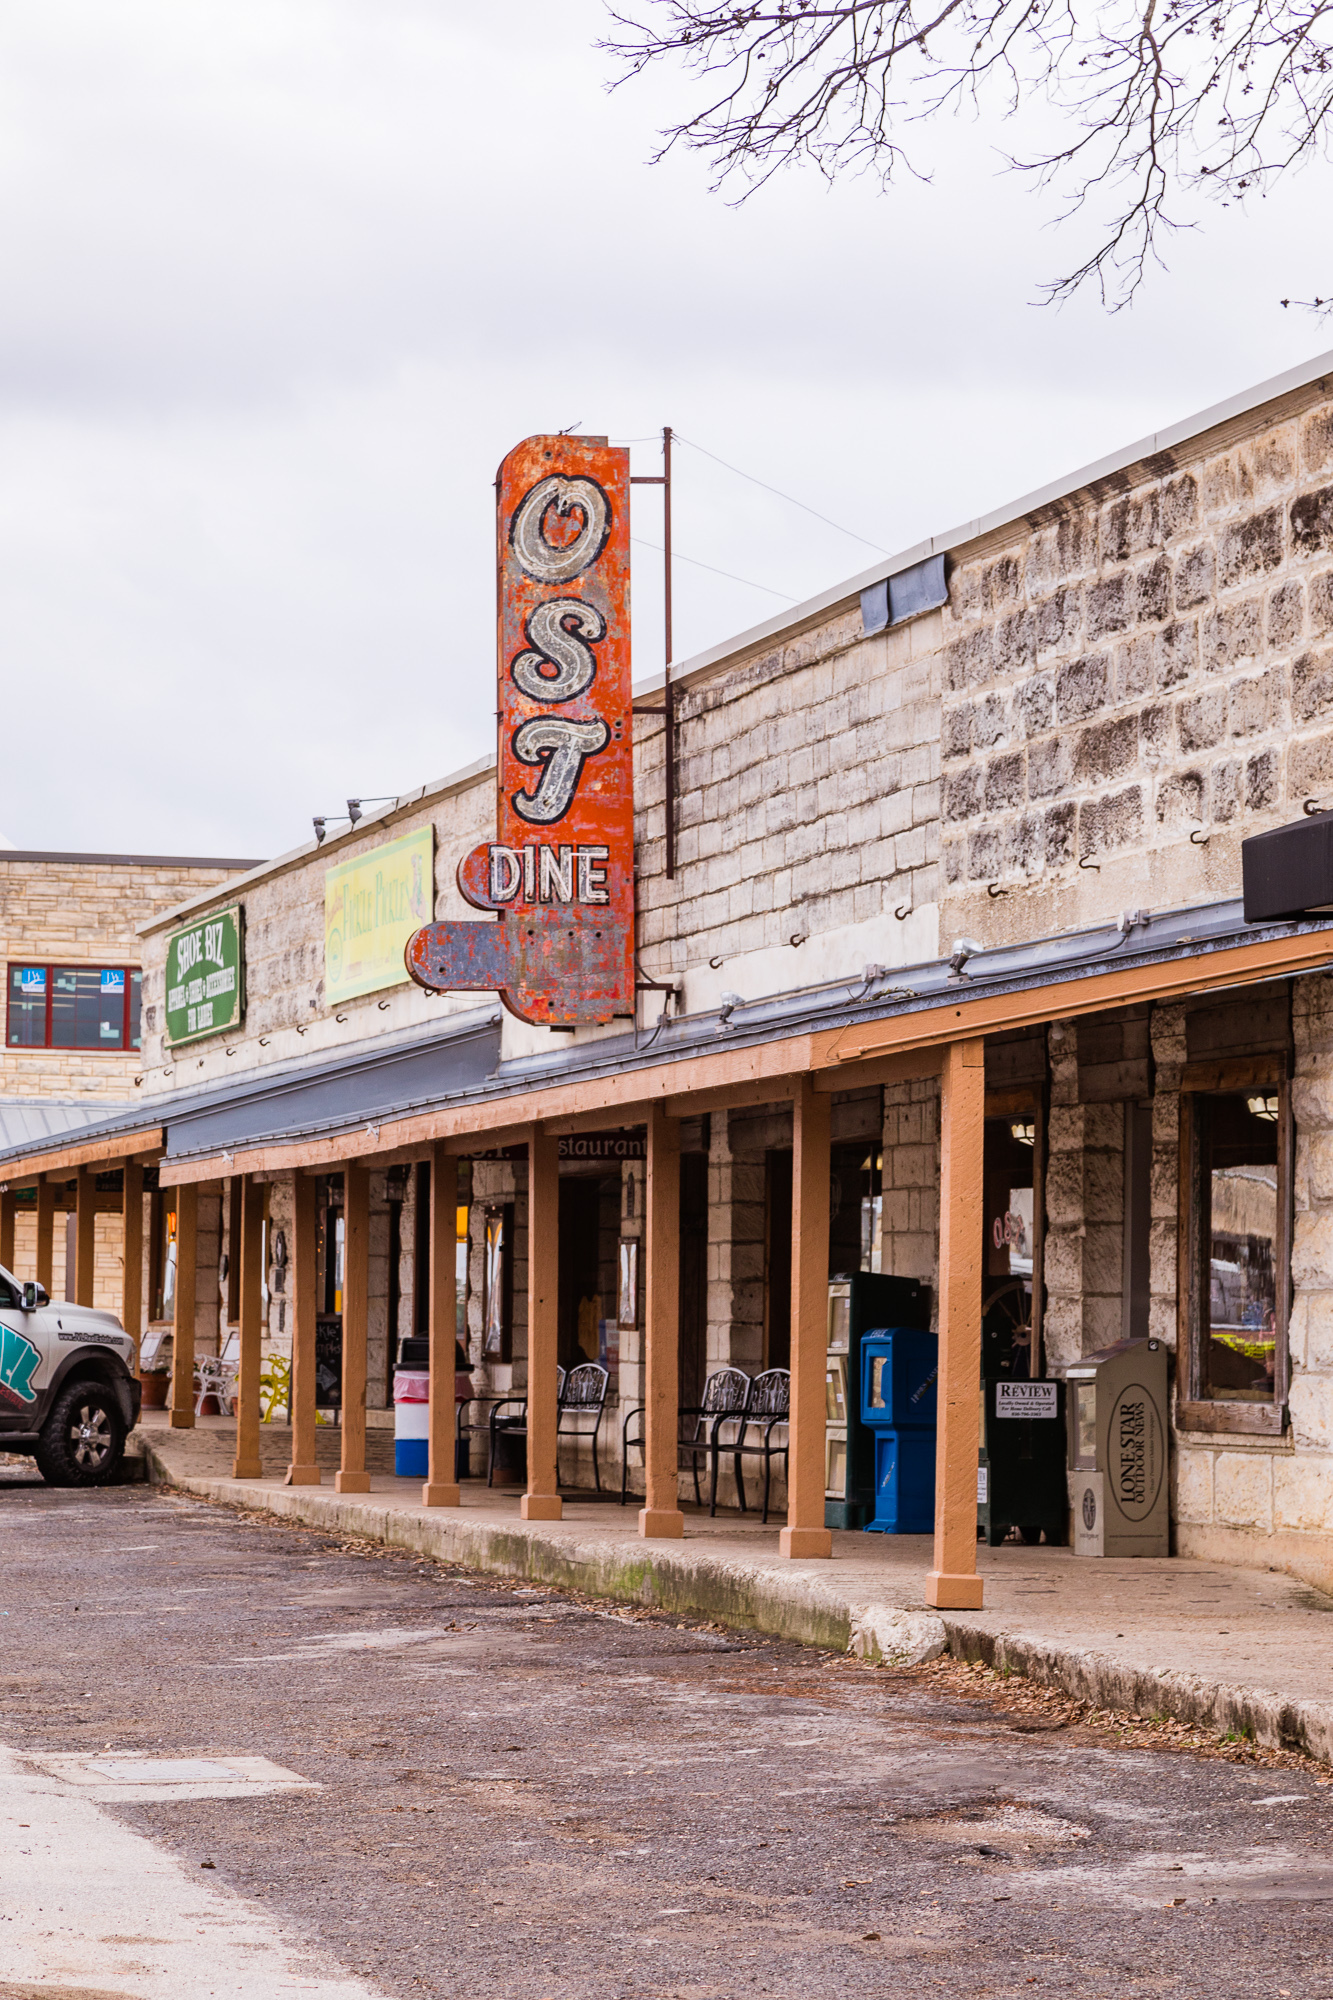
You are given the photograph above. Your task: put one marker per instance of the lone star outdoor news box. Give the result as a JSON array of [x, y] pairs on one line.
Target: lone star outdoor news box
[[1116, 1405]]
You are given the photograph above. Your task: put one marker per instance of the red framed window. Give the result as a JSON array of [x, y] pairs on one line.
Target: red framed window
[[73, 1007]]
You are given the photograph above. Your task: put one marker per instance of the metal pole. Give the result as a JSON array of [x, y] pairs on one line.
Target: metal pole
[[668, 692]]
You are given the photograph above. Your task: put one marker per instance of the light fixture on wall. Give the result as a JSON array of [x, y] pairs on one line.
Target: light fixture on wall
[[1023, 1131], [1262, 1107], [963, 949]]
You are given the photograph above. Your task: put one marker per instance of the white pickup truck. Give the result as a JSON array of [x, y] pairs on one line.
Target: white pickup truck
[[68, 1391]]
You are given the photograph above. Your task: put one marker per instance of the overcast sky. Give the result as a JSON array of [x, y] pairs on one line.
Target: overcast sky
[[284, 279]]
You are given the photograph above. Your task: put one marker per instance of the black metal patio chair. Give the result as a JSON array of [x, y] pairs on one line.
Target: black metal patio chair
[[725, 1396], [580, 1402], [767, 1411]]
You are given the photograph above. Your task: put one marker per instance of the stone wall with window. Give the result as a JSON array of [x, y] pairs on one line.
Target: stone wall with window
[[81, 912]]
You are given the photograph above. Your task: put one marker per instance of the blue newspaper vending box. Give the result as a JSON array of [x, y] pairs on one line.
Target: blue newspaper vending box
[[899, 1378]]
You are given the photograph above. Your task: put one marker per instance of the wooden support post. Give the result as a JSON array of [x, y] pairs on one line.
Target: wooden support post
[[352, 1476], [805, 1533], [85, 1238], [953, 1583], [182, 1339], [303, 1470], [441, 1487], [246, 1464], [131, 1275], [661, 1516], [8, 1209], [46, 1217], [541, 1502]]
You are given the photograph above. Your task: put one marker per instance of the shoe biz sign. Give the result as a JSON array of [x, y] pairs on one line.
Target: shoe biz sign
[[558, 879]]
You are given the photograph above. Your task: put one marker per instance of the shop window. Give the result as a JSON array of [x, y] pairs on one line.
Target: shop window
[[497, 1302], [73, 1007], [1236, 1151], [1011, 1219]]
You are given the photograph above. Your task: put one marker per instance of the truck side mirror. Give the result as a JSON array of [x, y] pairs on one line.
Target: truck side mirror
[[34, 1296]]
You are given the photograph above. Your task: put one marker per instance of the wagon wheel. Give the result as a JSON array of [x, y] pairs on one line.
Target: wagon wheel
[[1006, 1320]]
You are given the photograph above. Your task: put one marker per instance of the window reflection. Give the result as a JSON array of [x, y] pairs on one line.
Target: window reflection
[[1238, 1188]]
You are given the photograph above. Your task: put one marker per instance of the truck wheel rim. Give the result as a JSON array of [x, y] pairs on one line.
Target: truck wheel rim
[[90, 1435]]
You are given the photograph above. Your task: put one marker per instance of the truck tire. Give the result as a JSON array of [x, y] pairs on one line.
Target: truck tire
[[83, 1440]]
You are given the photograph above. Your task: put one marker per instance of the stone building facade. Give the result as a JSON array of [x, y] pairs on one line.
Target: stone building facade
[[79, 911], [1118, 681]]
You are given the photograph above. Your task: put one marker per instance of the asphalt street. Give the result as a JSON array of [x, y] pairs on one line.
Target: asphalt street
[[511, 1793]]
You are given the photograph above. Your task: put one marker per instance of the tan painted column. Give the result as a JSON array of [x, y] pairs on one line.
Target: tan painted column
[[805, 1533], [541, 1502], [953, 1583], [8, 1210], [182, 1341], [85, 1236], [303, 1470], [131, 1276], [441, 1487], [246, 1464], [46, 1217], [661, 1516], [352, 1476]]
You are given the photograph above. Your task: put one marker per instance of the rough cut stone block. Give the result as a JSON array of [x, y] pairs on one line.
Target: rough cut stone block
[[1253, 547], [1312, 521], [1180, 800], [1312, 685], [1193, 1485], [1081, 688], [1303, 1494], [1243, 1490], [1201, 721], [1286, 613], [1107, 824], [1131, 524], [1195, 576], [1106, 750]]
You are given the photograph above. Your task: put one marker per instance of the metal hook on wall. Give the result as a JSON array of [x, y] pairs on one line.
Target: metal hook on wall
[[1197, 837], [993, 890], [717, 963], [798, 937], [903, 912], [1311, 810], [1094, 866]]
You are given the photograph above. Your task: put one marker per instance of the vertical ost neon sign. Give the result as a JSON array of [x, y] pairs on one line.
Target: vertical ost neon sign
[[559, 875]]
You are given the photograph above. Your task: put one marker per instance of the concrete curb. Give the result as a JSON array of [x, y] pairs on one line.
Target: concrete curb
[[789, 1604]]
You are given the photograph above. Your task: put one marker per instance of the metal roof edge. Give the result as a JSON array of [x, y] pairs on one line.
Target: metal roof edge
[[80, 860], [712, 657], [278, 1079], [1193, 931]]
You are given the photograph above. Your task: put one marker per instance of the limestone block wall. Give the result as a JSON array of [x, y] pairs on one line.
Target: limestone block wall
[[286, 1012], [808, 782], [1146, 660], [68, 912], [910, 1220]]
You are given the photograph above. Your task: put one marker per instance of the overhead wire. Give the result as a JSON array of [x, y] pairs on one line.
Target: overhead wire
[[749, 582], [789, 498]]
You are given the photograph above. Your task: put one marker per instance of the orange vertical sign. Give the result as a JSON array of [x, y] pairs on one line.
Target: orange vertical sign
[[559, 874]]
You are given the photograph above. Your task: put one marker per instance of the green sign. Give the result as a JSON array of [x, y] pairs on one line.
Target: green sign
[[206, 977]]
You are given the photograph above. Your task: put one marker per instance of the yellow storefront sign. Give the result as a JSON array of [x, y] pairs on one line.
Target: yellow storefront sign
[[371, 907]]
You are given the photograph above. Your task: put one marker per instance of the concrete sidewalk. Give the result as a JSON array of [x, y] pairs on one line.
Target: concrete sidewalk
[[1226, 1649]]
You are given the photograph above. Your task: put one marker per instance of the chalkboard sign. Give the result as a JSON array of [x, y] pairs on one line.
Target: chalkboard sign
[[329, 1361]]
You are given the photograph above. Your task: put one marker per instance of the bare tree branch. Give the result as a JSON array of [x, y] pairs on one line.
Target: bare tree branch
[[1162, 98]]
